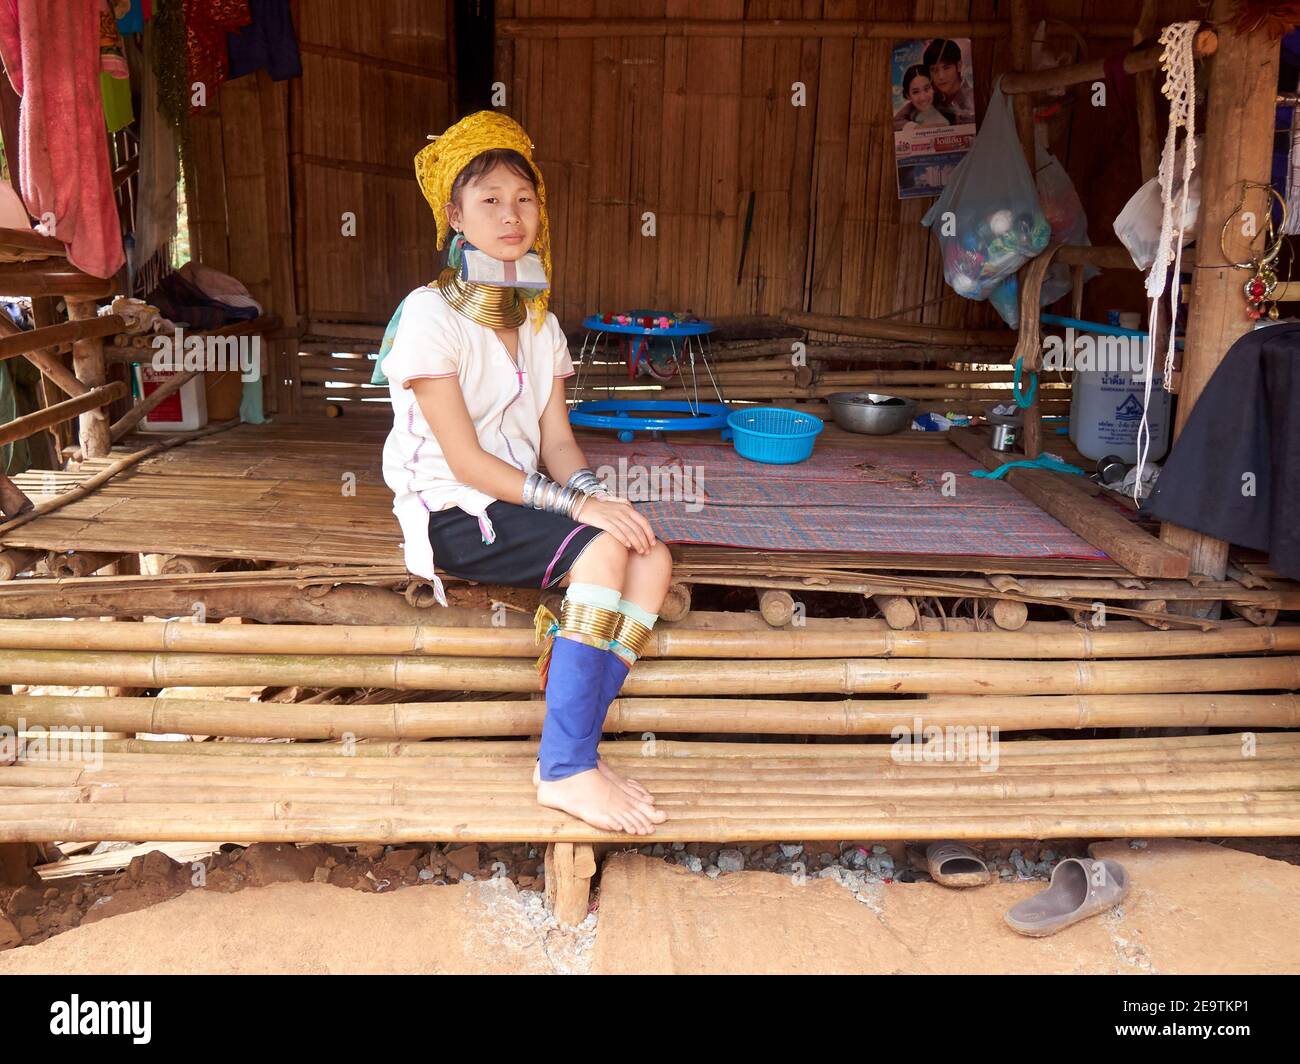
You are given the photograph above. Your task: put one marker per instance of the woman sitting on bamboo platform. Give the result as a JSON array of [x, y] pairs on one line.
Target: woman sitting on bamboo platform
[[478, 402]]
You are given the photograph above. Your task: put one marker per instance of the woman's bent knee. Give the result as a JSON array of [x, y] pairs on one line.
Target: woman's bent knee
[[604, 558]]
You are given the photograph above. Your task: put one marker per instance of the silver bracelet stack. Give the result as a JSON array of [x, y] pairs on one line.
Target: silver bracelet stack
[[586, 481], [543, 493]]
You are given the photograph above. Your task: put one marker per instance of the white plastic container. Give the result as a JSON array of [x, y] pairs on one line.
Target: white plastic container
[[1106, 410], [182, 411]]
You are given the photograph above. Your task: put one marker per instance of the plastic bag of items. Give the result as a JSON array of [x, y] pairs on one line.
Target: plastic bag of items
[[1065, 214], [1138, 224], [988, 221]]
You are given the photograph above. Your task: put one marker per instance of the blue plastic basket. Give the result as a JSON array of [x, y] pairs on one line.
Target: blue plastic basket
[[773, 434]]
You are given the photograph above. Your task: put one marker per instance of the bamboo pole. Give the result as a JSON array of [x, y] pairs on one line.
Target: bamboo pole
[[79, 563], [26, 341], [52, 279], [886, 330], [1136, 61], [142, 409], [93, 400], [16, 561], [719, 636], [850, 716], [661, 677], [50, 365]]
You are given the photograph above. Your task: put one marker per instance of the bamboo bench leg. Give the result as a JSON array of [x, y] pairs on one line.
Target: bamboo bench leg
[[16, 861], [569, 869]]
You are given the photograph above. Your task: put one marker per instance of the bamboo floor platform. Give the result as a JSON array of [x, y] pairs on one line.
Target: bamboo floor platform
[[1203, 785], [310, 490]]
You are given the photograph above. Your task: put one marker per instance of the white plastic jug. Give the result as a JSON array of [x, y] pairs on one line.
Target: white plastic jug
[[1106, 410], [182, 411]]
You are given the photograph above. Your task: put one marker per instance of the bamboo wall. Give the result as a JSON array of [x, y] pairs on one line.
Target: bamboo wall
[[688, 126], [691, 126]]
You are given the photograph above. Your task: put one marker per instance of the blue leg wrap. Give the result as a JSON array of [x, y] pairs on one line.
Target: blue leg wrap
[[574, 712]]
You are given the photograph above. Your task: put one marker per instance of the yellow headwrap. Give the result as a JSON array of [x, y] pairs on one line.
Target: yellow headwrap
[[439, 163]]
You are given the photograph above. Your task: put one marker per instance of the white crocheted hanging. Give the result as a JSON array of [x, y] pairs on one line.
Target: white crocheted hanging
[[1178, 61]]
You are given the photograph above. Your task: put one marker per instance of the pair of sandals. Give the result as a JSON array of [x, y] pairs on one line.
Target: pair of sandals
[[1080, 887]]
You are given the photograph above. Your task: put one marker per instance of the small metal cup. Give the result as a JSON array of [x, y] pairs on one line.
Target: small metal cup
[[1004, 437]]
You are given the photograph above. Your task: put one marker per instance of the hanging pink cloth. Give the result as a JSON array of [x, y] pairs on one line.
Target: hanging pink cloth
[[50, 49]]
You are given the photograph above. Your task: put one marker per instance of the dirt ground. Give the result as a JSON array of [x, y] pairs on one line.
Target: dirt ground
[[1194, 907]]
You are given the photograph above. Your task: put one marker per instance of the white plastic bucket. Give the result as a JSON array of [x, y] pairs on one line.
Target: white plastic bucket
[[1106, 409]]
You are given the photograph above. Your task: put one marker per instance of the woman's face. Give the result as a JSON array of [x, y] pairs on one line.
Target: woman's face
[[946, 77], [498, 213], [921, 93]]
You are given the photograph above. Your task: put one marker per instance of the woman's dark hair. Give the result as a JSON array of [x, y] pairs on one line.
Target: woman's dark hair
[[912, 73], [488, 160], [940, 50]]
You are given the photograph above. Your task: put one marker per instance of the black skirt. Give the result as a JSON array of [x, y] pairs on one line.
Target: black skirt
[[532, 548]]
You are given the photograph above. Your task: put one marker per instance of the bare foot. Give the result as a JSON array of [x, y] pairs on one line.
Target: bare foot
[[593, 798], [631, 786], [626, 782]]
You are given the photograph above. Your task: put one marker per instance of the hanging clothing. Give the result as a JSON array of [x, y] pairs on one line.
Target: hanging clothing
[[114, 75], [267, 43], [505, 402], [137, 13], [1234, 471], [51, 51], [156, 191], [206, 24]]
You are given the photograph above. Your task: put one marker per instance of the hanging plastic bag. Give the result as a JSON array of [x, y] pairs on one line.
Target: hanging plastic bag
[[1065, 214], [1138, 224], [988, 219]]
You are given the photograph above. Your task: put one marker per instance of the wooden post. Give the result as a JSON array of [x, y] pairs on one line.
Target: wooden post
[[1023, 108], [88, 363], [1240, 110], [1147, 90], [570, 867]]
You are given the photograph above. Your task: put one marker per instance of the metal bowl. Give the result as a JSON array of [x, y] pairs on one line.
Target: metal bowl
[[871, 412]]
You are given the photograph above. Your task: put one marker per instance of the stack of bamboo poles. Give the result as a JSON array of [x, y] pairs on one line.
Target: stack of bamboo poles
[[709, 679], [1198, 785], [388, 770], [940, 377], [949, 376]]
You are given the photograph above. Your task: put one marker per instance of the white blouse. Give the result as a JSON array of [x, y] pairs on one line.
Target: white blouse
[[504, 402]]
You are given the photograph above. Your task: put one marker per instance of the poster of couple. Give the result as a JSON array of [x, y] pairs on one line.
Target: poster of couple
[[933, 104]]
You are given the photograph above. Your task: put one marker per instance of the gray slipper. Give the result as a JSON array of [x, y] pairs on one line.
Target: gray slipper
[[1080, 888], [954, 864]]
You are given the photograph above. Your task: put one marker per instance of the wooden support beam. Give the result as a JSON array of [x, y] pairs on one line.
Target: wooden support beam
[[766, 29], [1019, 82], [1147, 93], [894, 330], [12, 501], [1240, 116], [24, 341], [51, 278], [88, 363], [56, 372], [95, 399], [29, 240], [1105, 528], [570, 868], [1023, 109]]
